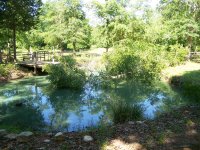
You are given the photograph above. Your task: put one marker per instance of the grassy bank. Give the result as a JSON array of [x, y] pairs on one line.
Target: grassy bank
[[180, 70], [185, 79]]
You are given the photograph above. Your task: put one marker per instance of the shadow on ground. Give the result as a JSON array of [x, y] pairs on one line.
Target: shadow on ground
[[188, 85]]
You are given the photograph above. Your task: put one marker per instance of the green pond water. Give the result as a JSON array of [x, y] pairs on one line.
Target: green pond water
[[31, 104]]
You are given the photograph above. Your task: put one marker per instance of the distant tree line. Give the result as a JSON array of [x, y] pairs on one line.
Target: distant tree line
[[61, 24]]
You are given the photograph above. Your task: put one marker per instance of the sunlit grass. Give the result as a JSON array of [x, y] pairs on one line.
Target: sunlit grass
[[180, 70]]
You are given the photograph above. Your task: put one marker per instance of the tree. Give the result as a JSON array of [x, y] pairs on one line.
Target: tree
[[18, 15], [53, 23], [78, 30], [78, 33], [64, 25], [181, 19], [110, 12]]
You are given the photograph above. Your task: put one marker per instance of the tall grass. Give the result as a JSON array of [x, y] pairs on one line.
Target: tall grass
[[123, 112]]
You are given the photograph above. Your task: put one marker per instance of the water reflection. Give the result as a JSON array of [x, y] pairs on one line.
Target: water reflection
[[44, 108]]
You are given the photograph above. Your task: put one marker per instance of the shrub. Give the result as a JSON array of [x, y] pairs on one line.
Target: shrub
[[69, 61], [129, 64], [123, 112], [65, 74], [5, 69], [176, 55], [143, 61]]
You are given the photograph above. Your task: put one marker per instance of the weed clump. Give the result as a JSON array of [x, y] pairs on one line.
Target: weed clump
[[123, 112]]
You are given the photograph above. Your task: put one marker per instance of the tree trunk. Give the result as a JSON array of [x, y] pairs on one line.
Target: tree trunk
[[107, 35], [74, 48], [190, 47], [107, 49], [0, 57], [190, 43], [14, 43]]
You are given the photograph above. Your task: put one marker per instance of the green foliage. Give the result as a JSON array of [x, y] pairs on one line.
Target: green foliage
[[123, 112], [69, 61], [62, 25], [4, 36], [21, 15], [18, 16], [143, 61], [114, 18], [78, 34], [177, 55], [5, 69], [65, 74], [180, 19], [31, 40], [171, 55], [142, 66]]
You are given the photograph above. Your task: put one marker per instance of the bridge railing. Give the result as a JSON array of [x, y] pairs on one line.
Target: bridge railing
[[40, 56], [195, 56]]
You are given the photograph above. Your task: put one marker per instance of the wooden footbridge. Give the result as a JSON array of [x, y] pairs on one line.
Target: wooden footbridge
[[37, 59]]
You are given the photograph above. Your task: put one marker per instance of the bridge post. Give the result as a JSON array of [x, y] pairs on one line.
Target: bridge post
[[35, 62]]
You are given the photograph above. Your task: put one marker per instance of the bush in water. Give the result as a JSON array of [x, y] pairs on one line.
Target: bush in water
[[65, 74]]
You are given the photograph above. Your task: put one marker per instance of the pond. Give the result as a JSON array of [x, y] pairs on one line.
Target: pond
[[31, 104]]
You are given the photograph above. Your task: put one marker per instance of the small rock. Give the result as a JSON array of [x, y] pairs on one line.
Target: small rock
[[131, 122], [41, 148], [11, 136], [87, 138], [139, 122], [59, 137], [58, 134], [27, 133], [49, 134], [3, 132], [46, 141]]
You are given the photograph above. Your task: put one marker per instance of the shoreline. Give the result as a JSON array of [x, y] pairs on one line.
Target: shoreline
[[177, 129]]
